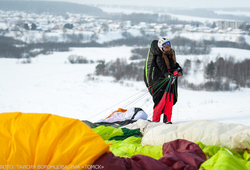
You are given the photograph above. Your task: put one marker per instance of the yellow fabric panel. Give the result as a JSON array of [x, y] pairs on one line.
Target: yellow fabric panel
[[45, 139]]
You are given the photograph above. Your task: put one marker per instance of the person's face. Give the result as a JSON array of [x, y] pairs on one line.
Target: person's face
[[167, 49]]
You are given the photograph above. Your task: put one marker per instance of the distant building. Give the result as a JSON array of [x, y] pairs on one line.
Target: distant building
[[231, 24]]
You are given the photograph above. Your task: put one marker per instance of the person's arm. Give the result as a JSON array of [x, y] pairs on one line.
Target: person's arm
[[178, 68]]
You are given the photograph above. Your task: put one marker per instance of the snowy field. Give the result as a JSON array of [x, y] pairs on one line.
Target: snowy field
[[51, 85], [216, 36]]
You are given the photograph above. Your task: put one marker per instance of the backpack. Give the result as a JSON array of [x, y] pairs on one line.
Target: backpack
[[150, 63]]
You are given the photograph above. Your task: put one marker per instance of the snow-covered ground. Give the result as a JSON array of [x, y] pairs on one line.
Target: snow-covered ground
[[193, 18], [110, 9], [216, 36], [51, 85]]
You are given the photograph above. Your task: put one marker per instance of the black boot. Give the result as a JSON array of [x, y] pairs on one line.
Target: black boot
[[165, 120]]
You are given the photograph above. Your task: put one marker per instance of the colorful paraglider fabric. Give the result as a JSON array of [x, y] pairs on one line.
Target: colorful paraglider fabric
[[46, 141], [43, 141]]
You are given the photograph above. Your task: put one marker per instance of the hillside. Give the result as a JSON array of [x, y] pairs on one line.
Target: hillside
[[52, 7], [49, 85]]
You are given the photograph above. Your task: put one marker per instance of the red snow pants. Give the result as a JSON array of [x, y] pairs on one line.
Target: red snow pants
[[165, 106]]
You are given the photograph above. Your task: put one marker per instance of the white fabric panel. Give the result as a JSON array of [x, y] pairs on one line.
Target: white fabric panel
[[233, 136], [120, 116]]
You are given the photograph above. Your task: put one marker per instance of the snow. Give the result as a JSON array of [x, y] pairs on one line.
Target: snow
[[109, 36], [193, 18], [238, 54], [216, 36], [51, 85], [122, 10]]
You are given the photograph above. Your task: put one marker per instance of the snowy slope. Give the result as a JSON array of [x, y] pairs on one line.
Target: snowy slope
[[51, 85]]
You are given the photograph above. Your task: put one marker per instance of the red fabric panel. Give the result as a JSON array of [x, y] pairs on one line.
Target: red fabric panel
[[109, 161], [181, 153]]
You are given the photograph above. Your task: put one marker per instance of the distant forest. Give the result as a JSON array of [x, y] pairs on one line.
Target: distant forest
[[12, 48]]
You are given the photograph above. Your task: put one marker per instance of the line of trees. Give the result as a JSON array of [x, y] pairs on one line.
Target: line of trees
[[237, 72], [182, 46], [185, 46], [78, 59], [12, 48], [136, 18], [222, 75], [121, 69]]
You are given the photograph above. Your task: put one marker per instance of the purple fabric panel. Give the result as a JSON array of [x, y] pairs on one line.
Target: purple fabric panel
[[177, 155]]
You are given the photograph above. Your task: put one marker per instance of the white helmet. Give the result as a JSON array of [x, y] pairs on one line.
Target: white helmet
[[163, 43]]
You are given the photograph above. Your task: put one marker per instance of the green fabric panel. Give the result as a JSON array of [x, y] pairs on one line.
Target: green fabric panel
[[223, 160], [127, 133], [146, 66], [246, 155], [211, 150], [248, 165], [108, 132], [115, 124], [112, 133], [132, 146]]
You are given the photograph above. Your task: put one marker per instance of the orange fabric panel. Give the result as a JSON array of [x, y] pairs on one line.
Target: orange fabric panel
[[119, 110]]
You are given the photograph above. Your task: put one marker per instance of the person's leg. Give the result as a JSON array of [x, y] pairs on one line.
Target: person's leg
[[168, 106], [158, 108]]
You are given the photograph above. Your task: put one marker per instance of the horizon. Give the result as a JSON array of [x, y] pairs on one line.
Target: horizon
[[174, 4], [192, 4]]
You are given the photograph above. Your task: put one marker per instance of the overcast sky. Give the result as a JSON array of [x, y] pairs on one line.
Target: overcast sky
[[171, 3]]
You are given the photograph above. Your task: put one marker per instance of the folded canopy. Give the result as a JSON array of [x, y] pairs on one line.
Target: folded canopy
[[35, 140]]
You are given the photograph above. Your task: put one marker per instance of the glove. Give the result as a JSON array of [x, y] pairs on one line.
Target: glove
[[180, 74], [175, 73], [180, 71], [167, 75]]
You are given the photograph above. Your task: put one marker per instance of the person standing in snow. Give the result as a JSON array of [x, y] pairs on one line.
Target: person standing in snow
[[160, 75]]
